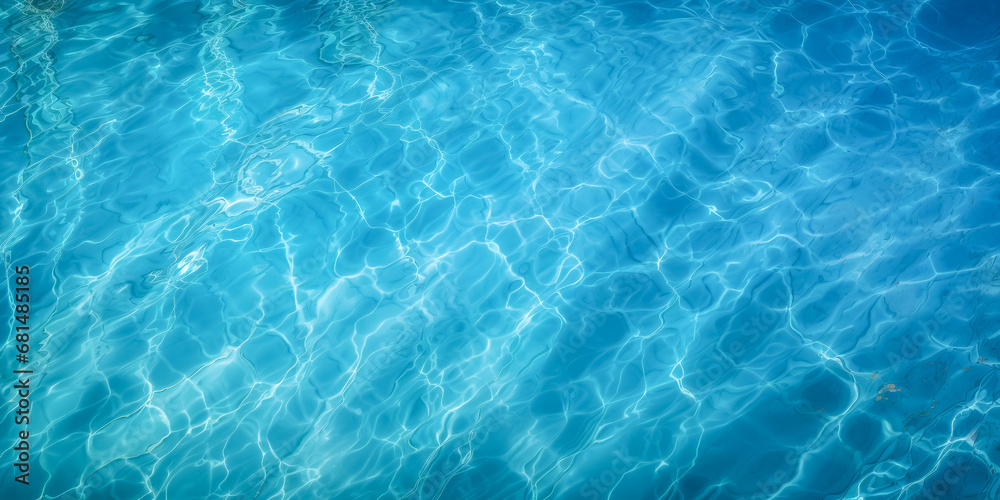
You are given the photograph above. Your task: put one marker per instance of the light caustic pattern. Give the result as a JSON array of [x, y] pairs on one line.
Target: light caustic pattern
[[516, 249]]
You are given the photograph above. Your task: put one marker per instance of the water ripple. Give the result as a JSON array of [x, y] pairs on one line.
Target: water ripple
[[585, 249]]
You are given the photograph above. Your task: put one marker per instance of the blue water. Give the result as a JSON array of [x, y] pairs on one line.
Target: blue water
[[502, 250]]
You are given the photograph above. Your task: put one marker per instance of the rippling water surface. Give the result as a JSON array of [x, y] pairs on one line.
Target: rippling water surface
[[499, 250]]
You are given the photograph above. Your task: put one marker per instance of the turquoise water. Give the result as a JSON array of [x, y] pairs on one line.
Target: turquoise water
[[498, 250]]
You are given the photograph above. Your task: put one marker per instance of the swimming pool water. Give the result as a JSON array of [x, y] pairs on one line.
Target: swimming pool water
[[497, 250]]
